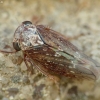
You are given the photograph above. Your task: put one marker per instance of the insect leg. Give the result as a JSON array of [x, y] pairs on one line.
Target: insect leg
[[28, 63], [7, 49]]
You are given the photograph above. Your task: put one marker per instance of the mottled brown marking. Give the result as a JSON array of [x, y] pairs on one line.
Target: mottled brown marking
[[51, 53]]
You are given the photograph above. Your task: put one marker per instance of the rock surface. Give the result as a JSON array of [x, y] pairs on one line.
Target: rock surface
[[79, 20]]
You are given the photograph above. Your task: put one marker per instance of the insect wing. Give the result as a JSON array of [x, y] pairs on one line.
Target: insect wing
[[60, 44]]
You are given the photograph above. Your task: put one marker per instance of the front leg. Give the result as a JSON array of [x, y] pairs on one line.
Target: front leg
[[28, 63], [7, 49]]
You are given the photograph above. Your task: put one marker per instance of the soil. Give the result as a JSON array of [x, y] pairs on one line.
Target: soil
[[78, 20]]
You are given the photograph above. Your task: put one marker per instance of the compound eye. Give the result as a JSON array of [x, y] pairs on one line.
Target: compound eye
[[16, 46], [27, 23]]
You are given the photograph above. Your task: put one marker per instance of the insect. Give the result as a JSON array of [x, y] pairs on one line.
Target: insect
[[51, 53]]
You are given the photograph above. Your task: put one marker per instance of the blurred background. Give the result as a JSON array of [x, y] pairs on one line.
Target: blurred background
[[78, 20]]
